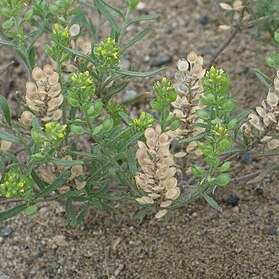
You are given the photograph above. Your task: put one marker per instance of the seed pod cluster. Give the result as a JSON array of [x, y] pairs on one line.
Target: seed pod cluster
[[43, 96], [189, 87], [157, 176], [265, 118]]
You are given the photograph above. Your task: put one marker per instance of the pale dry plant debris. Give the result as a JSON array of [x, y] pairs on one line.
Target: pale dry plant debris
[[48, 173], [266, 118], [236, 7], [157, 175], [43, 97]]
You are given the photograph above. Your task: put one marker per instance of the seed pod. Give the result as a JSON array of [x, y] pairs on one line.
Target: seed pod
[[37, 74], [26, 118], [74, 30], [192, 57], [5, 145], [48, 70], [161, 213]]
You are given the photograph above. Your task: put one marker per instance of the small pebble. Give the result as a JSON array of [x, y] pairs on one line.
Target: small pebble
[[146, 59], [208, 49], [258, 191], [194, 214], [161, 59], [247, 158], [141, 7], [1, 240], [203, 20], [103, 277], [6, 231], [15, 62], [129, 95], [4, 276], [233, 200], [272, 231], [236, 209]]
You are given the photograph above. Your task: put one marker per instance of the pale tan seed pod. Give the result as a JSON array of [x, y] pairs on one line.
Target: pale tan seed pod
[[31, 87], [192, 57], [74, 30], [170, 183], [182, 65], [57, 115], [80, 185], [273, 144], [238, 5], [226, 6], [254, 120], [54, 90], [5, 145], [276, 83], [53, 79], [76, 171], [161, 213], [48, 70], [173, 193], [150, 133], [266, 139], [55, 102], [163, 138], [272, 99], [26, 118], [261, 112], [166, 203], [38, 74]]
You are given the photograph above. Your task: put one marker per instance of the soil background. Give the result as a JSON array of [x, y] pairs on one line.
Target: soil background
[[192, 242]]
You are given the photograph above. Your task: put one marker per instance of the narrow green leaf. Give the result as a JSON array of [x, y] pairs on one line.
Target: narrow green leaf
[[138, 74], [132, 162], [54, 185], [136, 38], [131, 140], [212, 202], [65, 163], [118, 11], [265, 80], [30, 210], [195, 138], [7, 43], [101, 205], [126, 118], [4, 215], [82, 214], [39, 182], [142, 18], [103, 11], [8, 137], [5, 110], [70, 212], [116, 89], [31, 56]]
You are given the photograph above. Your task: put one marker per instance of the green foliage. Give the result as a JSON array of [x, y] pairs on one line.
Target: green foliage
[[88, 148]]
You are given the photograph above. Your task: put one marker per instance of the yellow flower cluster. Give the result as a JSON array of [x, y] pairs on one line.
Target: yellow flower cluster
[[14, 184]]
